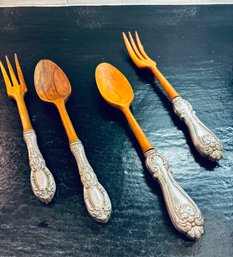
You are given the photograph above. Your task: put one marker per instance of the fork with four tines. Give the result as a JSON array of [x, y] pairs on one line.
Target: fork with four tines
[[42, 181], [204, 140]]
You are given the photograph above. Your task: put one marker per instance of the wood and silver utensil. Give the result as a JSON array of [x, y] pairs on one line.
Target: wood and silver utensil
[[53, 86], [204, 140], [42, 181], [184, 213]]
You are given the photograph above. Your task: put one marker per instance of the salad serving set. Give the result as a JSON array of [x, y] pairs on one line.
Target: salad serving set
[[53, 86]]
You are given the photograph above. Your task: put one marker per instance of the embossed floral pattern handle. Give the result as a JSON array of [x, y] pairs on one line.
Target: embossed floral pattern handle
[[96, 198], [53, 86], [42, 181], [184, 213], [204, 140]]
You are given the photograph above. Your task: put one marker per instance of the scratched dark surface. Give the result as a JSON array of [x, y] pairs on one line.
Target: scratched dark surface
[[193, 46]]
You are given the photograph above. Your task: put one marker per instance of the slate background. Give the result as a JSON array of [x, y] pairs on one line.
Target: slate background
[[193, 46]]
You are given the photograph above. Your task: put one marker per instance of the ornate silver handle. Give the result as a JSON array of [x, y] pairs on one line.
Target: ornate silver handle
[[42, 181], [184, 213], [204, 140], [96, 198]]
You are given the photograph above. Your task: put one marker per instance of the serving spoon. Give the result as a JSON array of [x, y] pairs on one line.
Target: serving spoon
[[53, 86], [183, 212]]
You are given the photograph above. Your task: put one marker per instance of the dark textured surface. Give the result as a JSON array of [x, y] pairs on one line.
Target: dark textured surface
[[194, 49]]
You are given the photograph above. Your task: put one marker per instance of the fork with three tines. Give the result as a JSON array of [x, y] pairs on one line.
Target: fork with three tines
[[204, 140], [42, 181]]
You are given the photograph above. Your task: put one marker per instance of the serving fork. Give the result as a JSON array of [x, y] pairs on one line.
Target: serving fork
[[42, 181], [204, 140]]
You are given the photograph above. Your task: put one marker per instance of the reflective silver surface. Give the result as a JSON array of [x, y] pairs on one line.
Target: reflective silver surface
[[184, 213], [42, 181], [96, 198], [204, 140]]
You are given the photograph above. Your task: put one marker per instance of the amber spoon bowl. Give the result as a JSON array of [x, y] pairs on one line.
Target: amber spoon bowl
[[184, 213]]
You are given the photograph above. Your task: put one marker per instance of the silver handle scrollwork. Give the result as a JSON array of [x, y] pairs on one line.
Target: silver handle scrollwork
[[204, 140], [42, 181], [96, 198], [184, 213]]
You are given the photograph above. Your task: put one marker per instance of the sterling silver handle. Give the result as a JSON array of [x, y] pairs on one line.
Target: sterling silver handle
[[42, 181], [96, 198], [204, 140], [183, 212]]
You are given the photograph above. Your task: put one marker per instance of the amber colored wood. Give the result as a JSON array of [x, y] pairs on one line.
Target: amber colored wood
[[116, 90], [16, 89], [23, 113], [69, 128], [53, 86], [138, 132], [142, 60], [168, 88]]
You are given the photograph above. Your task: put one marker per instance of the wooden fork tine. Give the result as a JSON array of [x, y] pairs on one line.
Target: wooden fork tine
[[20, 73], [12, 73], [130, 50], [6, 78], [140, 46], [135, 47]]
